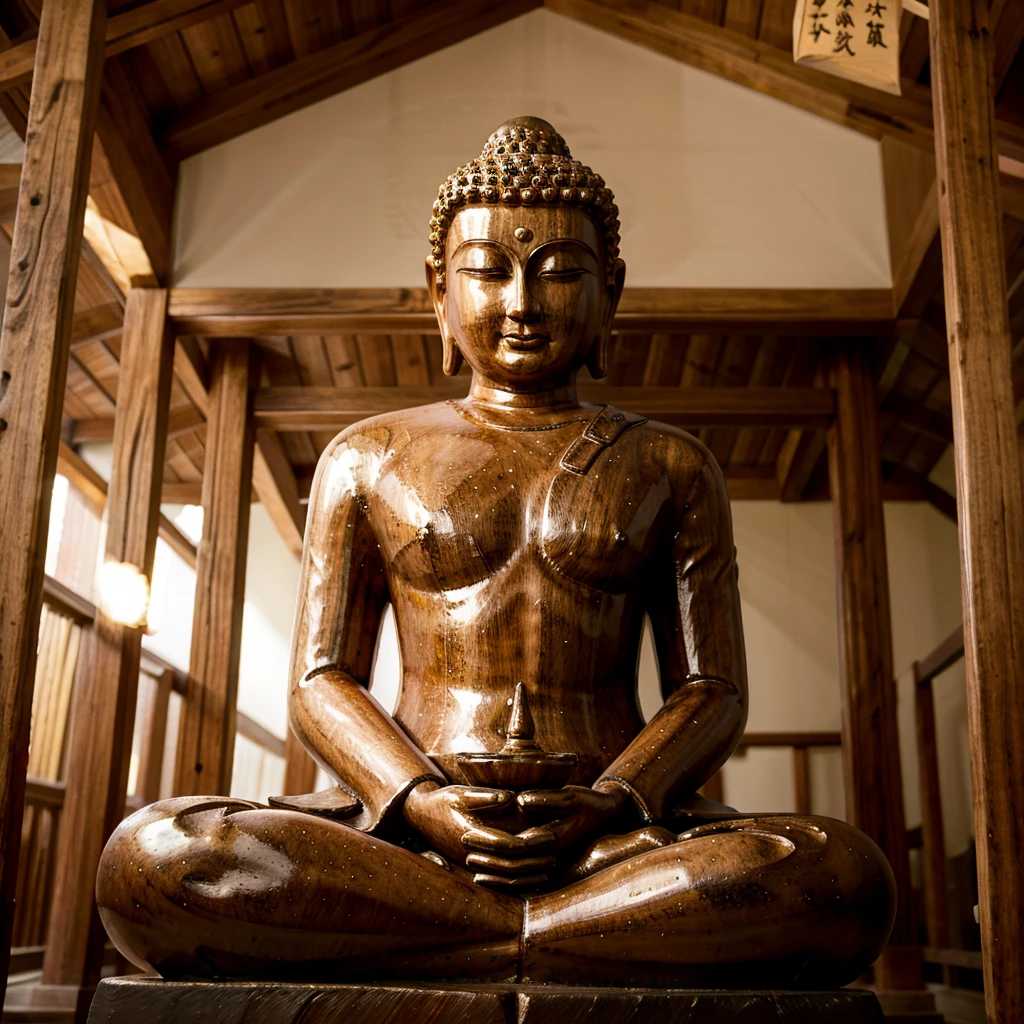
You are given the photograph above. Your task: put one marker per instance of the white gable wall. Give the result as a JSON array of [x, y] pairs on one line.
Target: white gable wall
[[717, 185]]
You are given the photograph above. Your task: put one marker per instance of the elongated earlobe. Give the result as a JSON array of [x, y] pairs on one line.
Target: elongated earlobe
[[451, 361], [597, 357]]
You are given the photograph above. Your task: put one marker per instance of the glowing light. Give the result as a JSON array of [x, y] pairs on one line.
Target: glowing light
[[124, 593]]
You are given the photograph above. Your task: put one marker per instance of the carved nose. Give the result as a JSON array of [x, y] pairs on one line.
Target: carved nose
[[522, 307]]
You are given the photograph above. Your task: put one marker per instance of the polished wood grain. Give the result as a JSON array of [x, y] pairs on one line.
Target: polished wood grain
[[990, 499], [308, 408], [104, 699], [206, 736], [870, 739], [233, 312], [521, 537], [33, 359]]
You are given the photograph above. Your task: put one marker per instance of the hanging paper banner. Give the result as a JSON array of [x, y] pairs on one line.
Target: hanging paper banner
[[854, 39]]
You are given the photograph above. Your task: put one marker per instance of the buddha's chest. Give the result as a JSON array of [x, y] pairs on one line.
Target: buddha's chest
[[455, 511]]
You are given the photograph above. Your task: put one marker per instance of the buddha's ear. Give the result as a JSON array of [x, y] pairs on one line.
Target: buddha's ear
[[451, 361], [597, 358]]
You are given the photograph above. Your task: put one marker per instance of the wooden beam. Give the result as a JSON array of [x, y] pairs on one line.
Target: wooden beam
[[154, 738], [949, 652], [100, 429], [103, 712], [83, 477], [990, 498], [192, 372], [123, 32], [260, 735], [34, 347], [247, 312], [142, 200], [799, 455], [274, 481], [874, 787], [309, 79], [770, 70], [96, 324], [941, 500], [206, 736], [316, 408]]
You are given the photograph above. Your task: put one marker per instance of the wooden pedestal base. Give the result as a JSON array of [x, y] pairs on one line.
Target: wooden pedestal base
[[133, 1000]]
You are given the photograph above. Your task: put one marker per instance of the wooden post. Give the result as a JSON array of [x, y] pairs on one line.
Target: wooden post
[[33, 367], [871, 754], [988, 471], [299, 767], [802, 780], [933, 840], [154, 738], [103, 708], [206, 737]]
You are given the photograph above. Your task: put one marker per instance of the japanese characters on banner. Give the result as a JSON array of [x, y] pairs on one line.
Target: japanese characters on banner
[[854, 39]]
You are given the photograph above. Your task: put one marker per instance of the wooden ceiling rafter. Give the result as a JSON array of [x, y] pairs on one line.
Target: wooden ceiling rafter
[[326, 72]]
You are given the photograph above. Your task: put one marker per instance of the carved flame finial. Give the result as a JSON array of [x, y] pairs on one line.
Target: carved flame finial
[[519, 733]]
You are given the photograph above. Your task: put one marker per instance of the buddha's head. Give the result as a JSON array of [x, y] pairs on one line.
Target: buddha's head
[[525, 271]]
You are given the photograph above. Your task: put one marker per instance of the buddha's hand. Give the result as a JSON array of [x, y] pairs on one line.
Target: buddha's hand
[[453, 820], [576, 812]]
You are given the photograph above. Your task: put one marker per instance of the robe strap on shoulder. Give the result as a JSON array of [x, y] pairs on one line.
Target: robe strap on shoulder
[[600, 433]]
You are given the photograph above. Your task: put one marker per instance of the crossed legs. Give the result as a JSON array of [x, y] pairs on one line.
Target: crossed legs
[[224, 888]]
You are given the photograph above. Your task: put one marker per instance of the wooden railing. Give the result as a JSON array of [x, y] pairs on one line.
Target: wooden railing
[[933, 841], [800, 743], [66, 618]]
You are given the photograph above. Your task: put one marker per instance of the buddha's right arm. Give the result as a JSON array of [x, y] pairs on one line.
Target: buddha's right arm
[[343, 592]]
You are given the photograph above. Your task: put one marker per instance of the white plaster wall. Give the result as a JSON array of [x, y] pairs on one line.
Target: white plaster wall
[[717, 185]]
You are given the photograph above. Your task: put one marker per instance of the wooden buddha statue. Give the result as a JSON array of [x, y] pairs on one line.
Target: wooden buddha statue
[[514, 818]]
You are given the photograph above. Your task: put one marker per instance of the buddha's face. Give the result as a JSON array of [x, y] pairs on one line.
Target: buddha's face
[[527, 298]]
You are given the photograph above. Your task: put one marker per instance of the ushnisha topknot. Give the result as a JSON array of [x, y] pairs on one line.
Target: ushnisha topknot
[[525, 162]]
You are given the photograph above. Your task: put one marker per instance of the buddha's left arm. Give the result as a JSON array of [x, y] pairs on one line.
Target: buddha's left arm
[[694, 607]]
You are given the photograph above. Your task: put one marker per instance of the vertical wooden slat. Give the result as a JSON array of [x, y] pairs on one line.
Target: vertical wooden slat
[[989, 491], [154, 738], [33, 365], [103, 702], [299, 767], [802, 780], [206, 738], [933, 843], [874, 788]]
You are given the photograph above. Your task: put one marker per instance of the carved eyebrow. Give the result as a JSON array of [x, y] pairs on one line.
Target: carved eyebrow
[[563, 241], [490, 243]]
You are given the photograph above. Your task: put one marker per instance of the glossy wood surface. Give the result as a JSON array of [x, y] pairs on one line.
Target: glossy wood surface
[[990, 499], [515, 817], [33, 366]]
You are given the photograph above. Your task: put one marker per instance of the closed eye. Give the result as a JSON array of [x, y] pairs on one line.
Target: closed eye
[[564, 274], [492, 273]]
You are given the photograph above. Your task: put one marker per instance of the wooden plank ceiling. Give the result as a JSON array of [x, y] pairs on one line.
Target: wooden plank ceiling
[[186, 74]]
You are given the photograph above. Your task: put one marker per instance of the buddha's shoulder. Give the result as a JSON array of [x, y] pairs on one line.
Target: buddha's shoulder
[[382, 435], [672, 448]]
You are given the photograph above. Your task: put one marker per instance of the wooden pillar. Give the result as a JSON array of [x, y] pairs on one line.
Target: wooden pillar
[[933, 840], [206, 736], [871, 754], [802, 780], [154, 738], [103, 704], [33, 366], [988, 471], [299, 767]]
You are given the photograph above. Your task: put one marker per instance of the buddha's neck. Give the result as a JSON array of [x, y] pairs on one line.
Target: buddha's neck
[[488, 393]]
